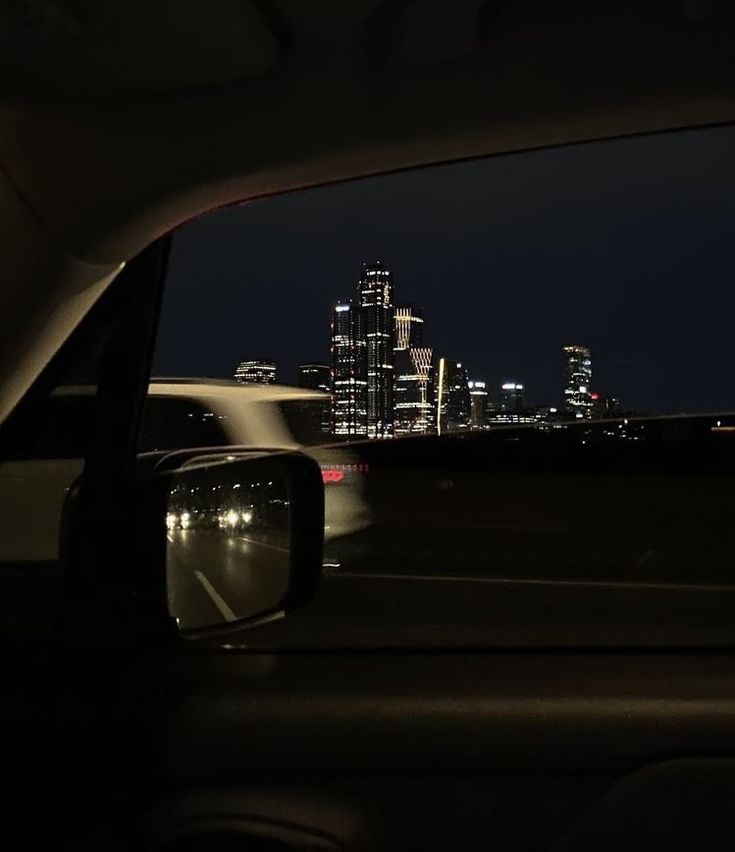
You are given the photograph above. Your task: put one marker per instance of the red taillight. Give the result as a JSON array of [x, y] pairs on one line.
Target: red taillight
[[332, 475]]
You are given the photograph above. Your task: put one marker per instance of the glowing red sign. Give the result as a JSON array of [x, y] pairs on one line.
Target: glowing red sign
[[332, 475]]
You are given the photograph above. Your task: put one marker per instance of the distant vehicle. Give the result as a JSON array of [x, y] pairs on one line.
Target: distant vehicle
[[179, 414]]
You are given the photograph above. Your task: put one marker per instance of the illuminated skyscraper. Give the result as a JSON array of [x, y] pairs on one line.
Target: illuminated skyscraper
[[318, 377], [511, 397], [512, 407], [409, 325], [376, 303], [315, 377], [578, 380], [349, 372], [414, 406], [256, 371], [413, 396], [452, 397], [478, 404]]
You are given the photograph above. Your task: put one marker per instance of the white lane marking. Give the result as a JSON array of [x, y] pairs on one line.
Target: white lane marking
[[632, 585], [263, 544], [218, 600]]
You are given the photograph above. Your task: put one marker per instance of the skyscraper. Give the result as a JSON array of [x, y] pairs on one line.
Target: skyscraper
[[376, 303], [315, 377], [578, 380], [511, 397], [513, 408], [318, 377], [413, 392], [349, 372], [452, 397], [409, 327], [256, 371], [414, 404], [478, 404]]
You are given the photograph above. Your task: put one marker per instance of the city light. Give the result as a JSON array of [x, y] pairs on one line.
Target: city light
[[384, 381], [256, 371]]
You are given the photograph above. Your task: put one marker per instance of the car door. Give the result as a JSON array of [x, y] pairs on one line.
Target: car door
[[53, 679], [36, 476], [379, 715]]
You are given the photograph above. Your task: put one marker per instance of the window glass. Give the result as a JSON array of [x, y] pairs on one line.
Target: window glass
[[176, 423], [64, 427], [307, 420], [527, 361]]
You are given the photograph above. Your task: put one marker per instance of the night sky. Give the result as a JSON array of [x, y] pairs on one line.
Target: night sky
[[627, 246]]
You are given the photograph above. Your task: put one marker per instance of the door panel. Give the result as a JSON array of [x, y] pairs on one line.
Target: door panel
[[433, 751]]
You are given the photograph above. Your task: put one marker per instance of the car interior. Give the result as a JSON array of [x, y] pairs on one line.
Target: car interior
[[566, 716]]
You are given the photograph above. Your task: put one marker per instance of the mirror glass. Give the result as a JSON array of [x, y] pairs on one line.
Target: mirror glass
[[228, 525]]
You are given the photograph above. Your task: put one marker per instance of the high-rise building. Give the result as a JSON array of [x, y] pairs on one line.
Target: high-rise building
[[414, 403], [256, 371], [318, 377], [413, 392], [349, 372], [511, 397], [512, 409], [578, 380], [452, 397], [315, 377], [478, 404], [409, 327], [376, 303]]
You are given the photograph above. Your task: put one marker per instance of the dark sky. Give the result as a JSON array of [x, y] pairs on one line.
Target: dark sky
[[627, 246]]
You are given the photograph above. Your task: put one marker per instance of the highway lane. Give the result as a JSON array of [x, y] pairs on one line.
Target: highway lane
[[449, 587], [215, 576], [384, 609]]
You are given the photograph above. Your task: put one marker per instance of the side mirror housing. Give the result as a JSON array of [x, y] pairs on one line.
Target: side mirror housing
[[240, 535], [199, 542]]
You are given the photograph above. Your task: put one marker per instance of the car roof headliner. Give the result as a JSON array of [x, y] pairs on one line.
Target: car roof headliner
[[120, 120], [149, 113]]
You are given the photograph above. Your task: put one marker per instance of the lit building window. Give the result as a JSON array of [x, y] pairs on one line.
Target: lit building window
[[256, 371]]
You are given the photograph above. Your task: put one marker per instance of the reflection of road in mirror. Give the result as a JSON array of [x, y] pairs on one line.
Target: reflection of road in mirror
[[216, 576], [228, 526]]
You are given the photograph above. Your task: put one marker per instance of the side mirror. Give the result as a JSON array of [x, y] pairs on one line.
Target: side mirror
[[241, 534]]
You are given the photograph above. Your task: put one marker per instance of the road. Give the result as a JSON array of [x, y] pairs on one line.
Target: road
[[373, 595], [216, 577]]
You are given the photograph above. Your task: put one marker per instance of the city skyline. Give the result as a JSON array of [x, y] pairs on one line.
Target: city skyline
[[349, 325], [385, 381], [621, 245]]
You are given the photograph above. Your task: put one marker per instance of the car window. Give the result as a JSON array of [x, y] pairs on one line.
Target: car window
[[525, 361], [64, 427], [175, 423], [308, 420]]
